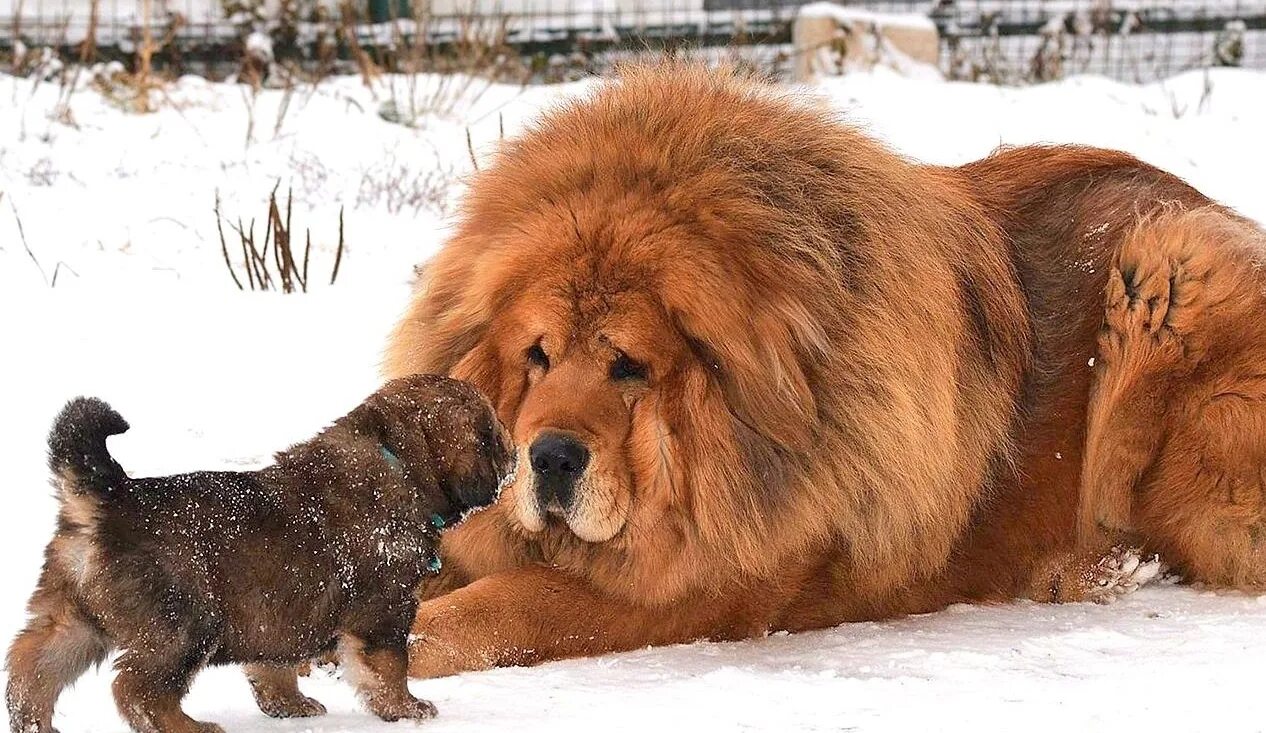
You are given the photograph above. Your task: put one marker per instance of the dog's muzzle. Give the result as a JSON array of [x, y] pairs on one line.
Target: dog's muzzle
[[558, 461]]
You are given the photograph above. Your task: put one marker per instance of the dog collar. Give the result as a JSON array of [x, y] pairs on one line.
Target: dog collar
[[390, 457]]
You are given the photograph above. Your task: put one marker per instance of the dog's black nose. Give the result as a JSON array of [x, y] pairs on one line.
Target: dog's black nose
[[557, 459]]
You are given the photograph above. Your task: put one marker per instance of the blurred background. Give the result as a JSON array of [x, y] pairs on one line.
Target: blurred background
[[1002, 41]]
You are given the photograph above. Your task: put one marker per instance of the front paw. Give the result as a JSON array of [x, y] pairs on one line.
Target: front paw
[[290, 707], [277, 694], [409, 708]]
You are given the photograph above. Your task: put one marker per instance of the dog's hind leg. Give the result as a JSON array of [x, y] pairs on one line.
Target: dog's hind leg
[[56, 647], [276, 690], [1176, 439], [154, 675], [1141, 363]]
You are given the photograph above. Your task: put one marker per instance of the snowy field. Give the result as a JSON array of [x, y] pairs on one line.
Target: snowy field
[[145, 315]]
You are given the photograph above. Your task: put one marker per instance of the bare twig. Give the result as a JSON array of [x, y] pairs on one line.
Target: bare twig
[[338, 254], [25, 246], [145, 55], [58, 269], [307, 249], [470, 148], [88, 47], [224, 245]]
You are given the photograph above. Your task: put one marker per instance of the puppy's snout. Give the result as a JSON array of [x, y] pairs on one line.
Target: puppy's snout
[[558, 460]]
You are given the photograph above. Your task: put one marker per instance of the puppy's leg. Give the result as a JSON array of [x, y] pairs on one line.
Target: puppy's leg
[[154, 675], [276, 690], [379, 669], [56, 647]]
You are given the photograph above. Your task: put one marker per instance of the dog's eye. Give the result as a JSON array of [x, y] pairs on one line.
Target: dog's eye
[[624, 368], [537, 356]]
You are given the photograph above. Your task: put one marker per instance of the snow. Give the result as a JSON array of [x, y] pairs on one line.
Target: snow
[[1162, 659], [259, 46], [144, 315], [848, 16]]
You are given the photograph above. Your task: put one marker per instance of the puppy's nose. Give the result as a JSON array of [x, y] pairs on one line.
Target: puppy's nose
[[558, 459]]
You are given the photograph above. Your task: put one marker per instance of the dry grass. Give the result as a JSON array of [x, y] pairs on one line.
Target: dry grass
[[57, 269], [282, 271], [400, 188]]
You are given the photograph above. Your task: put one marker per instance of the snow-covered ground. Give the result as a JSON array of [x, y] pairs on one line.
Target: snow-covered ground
[[145, 315]]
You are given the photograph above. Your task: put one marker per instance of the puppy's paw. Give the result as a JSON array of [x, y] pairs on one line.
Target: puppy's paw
[[1122, 571], [277, 692], [290, 707], [408, 708]]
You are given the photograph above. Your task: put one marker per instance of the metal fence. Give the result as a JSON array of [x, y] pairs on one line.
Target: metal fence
[[1007, 41], [1134, 41]]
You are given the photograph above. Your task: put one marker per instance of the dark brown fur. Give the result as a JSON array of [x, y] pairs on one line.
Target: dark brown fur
[[870, 387], [265, 568]]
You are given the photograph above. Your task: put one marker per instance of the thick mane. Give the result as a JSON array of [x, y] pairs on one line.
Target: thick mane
[[854, 317]]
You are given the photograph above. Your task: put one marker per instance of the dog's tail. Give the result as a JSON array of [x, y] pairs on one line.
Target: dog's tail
[[77, 446]]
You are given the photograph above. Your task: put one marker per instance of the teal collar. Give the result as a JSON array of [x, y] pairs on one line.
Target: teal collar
[[390, 457]]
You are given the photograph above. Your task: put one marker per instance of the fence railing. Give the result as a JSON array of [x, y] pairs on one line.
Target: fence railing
[[1006, 41]]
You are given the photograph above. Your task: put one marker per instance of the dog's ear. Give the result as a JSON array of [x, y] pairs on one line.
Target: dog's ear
[[367, 420], [403, 445]]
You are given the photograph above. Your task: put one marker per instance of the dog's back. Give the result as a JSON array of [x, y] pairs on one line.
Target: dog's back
[[238, 549], [181, 516]]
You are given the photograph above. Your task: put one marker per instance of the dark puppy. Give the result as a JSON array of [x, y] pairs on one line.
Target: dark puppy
[[318, 552]]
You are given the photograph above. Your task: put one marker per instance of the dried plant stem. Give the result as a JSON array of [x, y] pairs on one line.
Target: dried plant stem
[[224, 245], [338, 254], [283, 270], [145, 55], [470, 148], [25, 246], [88, 47]]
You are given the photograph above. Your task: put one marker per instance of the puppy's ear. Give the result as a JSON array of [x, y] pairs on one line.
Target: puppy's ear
[[403, 445], [367, 420]]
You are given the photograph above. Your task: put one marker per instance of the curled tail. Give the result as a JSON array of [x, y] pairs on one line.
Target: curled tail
[[77, 445]]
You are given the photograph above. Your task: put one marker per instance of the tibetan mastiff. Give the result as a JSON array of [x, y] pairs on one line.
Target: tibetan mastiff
[[770, 375]]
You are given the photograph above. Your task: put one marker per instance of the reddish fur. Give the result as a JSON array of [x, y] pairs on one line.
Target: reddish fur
[[868, 385]]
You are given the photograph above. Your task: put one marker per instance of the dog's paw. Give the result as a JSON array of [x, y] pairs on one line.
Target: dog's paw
[[1122, 571], [277, 693], [409, 708], [290, 707]]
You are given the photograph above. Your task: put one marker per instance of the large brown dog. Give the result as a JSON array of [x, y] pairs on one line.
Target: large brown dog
[[770, 375]]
